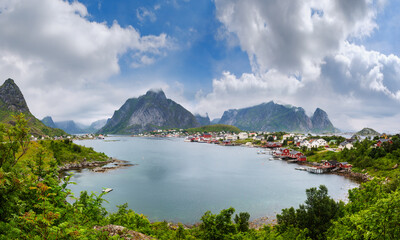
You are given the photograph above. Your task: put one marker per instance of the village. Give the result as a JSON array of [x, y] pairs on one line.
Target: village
[[290, 147]]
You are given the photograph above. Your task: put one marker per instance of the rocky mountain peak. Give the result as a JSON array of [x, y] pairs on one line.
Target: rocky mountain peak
[[320, 121], [48, 121], [12, 97], [157, 94]]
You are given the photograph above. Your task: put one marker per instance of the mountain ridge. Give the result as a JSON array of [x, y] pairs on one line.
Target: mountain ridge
[[274, 117], [149, 112]]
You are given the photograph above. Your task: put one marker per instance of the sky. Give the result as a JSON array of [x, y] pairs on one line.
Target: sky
[[81, 60]]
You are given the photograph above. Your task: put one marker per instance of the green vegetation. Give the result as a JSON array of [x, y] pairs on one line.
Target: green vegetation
[[37, 128], [33, 202], [366, 157], [215, 128]]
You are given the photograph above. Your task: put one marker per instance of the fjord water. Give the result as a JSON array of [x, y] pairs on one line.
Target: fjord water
[[178, 181]]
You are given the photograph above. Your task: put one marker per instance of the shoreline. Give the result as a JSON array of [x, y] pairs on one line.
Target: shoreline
[[96, 166], [257, 223]]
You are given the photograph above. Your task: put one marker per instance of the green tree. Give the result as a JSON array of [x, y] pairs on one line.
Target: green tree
[[14, 142], [215, 227], [315, 215], [242, 221]]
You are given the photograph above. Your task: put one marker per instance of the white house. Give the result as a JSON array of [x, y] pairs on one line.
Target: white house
[[243, 135], [344, 145], [231, 137], [318, 143]]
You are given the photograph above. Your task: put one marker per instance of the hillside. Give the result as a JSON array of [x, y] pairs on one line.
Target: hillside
[[12, 102], [149, 112], [215, 128], [367, 132]]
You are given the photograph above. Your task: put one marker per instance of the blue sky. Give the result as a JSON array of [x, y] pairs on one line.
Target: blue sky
[[82, 59]]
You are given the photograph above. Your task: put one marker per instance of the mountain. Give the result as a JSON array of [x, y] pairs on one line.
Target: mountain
[[70, 127], [274, 117], [367, 132], [321, 123], [12, 102], [48, 121], [97, 125], [203, 121], [149, 112], [215, 120]]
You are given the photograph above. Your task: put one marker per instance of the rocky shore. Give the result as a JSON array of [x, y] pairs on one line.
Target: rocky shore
[[96, 166], [358, 177]]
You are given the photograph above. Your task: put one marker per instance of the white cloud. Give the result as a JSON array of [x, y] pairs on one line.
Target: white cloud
[[60, 58], [289, 36], [143, 14], [301, 55]]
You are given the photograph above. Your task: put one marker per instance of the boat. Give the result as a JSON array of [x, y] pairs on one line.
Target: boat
[[262, 152], [107, 190], [301, 168]]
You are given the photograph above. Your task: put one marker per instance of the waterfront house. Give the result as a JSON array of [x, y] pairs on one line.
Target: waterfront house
[[345, 165], [231, 137], [243, 135], [331, 163]]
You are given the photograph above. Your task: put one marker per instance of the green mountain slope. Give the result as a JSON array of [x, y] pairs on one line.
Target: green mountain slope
[[12, 102], [214, 128]]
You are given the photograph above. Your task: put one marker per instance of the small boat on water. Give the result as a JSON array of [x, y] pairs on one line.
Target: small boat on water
[[107, 190], [301, 168], [262, 152]]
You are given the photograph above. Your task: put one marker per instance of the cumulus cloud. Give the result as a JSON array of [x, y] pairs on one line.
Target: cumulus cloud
[[51, 46], [294, 36], [302, 53]]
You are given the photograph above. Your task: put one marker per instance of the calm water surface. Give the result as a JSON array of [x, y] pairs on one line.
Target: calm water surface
[[179, 181]]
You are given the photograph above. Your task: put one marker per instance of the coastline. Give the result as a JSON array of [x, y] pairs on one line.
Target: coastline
[[96, 166]]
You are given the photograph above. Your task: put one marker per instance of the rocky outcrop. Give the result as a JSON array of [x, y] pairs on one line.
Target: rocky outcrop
[[96, 166], [149, 112], [321, 123], [122, 232], [12, 97], [12, 102]]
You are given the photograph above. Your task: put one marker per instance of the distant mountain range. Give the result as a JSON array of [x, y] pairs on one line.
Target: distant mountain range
[[274, 117], [154, 111], [72, 127], [12, 102], [203, 120], [149, 112]]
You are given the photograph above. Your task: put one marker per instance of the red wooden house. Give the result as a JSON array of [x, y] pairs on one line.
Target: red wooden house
[[383, 140]]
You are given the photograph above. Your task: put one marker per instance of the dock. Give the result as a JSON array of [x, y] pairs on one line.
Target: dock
[[317, 170]]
